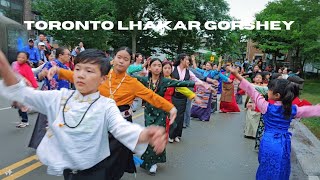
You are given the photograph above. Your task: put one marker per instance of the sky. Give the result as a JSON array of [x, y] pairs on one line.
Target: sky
[[246, 9]]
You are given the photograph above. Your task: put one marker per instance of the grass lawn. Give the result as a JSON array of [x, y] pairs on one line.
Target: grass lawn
[[311, 92]]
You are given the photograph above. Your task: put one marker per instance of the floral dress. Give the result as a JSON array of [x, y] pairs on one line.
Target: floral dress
[[55, 83]]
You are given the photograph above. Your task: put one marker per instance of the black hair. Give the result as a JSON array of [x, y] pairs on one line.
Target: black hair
[[24, 52], [264, 75], [275, 76], [167, 62], [152, 61], [136, 55], [94, 56], [126, 49], [257, 74], [211, 64], [150, 73], [108, 52], [296, 89], [287, 91], [179, 58], [59, 51]]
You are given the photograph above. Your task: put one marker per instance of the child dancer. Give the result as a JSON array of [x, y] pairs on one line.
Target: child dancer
[[275, 147], [22, 67], [76, 144], [253, 114], [154, 116]]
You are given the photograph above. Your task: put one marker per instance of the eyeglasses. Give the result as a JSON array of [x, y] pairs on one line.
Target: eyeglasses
[[67, 54]]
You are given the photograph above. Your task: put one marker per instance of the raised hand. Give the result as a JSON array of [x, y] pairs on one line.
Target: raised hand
[[197, 100], [52, 71], [220, 59]]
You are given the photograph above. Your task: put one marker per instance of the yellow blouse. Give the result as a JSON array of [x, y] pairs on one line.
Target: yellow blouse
[[129, 89], [185, 91]]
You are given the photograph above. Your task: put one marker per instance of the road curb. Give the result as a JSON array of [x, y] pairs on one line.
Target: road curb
[[307, 149]]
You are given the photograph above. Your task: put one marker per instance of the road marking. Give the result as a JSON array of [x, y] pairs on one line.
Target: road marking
[[18, 164], [138, 115], [5, 108], [31, 167], [23, 171]]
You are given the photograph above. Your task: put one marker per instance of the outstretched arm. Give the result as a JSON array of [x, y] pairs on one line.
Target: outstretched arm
[[12, 86], [256, 97], [308, 111], [220, 62], [175, 83], [155, 100], [132, 135], [62, 73]]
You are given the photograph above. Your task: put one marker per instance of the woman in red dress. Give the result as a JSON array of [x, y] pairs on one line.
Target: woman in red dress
[[228, 101]]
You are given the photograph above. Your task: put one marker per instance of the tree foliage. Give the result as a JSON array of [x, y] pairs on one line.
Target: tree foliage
[[302, 41], [78, 10]]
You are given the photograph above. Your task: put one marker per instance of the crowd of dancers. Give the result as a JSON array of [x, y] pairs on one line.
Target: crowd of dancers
[[81, 133]]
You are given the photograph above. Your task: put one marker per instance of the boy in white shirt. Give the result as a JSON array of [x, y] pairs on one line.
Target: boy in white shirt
[[76, 142]]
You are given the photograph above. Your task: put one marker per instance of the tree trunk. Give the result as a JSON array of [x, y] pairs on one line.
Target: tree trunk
[[298, 58], [134, 41], [180, 46]]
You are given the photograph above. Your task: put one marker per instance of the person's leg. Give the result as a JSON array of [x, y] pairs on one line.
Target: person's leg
[[135, 104], [181, 107], [24, 119], [187, 114]]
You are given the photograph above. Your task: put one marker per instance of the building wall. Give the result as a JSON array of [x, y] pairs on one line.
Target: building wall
[[253, 52]]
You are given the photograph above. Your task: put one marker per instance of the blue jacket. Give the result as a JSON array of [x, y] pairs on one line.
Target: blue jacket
[[34, 55]]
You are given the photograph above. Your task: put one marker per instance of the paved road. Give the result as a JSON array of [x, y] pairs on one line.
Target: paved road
[[208, 150]]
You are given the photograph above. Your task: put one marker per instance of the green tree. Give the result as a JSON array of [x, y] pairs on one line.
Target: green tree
[[302, 42], [191, 10], [78, 10]]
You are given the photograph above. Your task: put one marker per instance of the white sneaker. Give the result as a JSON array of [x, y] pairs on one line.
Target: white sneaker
[[22, 125], [177, 139], [153, 169], [170, 140]]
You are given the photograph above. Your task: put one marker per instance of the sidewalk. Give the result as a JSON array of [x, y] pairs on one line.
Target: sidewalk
[[307, 149]]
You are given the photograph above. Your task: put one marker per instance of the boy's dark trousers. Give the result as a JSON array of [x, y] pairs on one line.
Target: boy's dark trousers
[[23, 115]]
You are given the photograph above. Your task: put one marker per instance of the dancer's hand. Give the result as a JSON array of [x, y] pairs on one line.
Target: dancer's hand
[[220, 59], [52, 71], [235, 73], [215, 82], [197, 100], [43, 73], [155, 136], [173, 115]]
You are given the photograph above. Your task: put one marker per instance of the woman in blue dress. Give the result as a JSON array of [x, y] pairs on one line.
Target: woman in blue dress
[[275, 147]]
